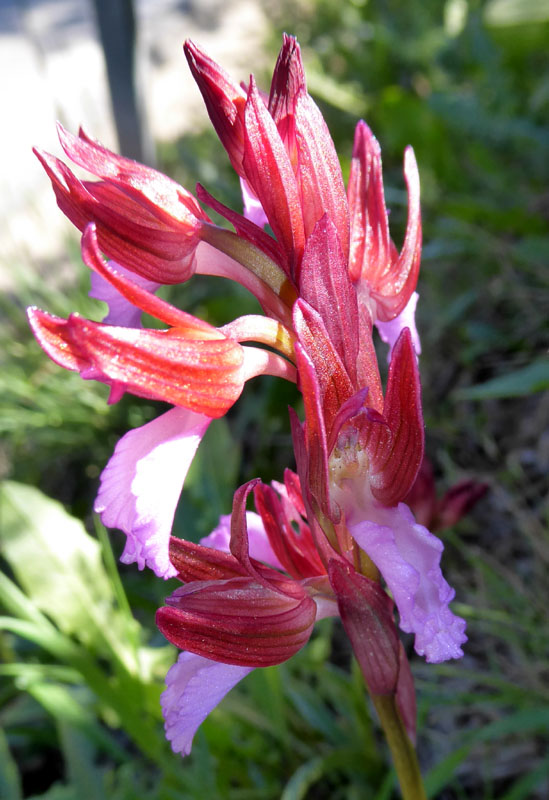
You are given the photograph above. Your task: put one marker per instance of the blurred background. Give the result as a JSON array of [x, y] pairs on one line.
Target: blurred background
[[466, 82]]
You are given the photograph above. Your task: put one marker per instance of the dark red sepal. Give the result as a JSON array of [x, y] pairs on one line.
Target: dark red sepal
[[438, 514], [293, 488], [288, 80], [169, 203], [224, 101], [395, 449], [319, 173], [137, 295], [238, 621], [270, 174], [334, 385], [295, 550], [458, 501], [239, 532], [367, 615], [371, 247], [391, 278], [311, 504], [127, 231], [315, 431], [326, 286], [194, 562]]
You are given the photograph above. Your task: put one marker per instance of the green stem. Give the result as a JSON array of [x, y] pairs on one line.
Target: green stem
[[402, 750], [250, 257]]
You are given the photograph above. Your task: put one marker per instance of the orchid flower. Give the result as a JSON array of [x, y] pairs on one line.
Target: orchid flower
[[198, 368], [336, 537]]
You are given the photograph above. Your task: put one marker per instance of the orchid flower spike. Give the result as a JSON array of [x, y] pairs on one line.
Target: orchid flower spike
[[336, 537]]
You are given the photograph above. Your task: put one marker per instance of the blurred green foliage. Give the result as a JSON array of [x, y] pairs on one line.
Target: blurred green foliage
[[466, 83]]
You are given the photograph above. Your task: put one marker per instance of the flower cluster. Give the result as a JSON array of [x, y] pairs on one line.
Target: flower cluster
[[335, 537]]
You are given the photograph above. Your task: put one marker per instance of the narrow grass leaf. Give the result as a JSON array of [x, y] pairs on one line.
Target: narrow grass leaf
[[59, 567], [10, 784], [65, 708], [519, 383]]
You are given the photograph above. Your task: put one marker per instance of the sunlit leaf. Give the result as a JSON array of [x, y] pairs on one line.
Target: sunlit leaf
[[59, 566], [519, 383], [516, 12]]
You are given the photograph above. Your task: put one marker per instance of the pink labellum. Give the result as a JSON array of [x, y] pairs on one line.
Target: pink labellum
[[194, 687], [141, 485], [408, 557]]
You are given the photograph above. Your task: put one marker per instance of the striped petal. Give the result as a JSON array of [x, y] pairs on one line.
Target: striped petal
[[239, 621], [197, 369]]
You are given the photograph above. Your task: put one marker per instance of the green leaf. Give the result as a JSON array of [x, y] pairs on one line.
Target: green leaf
[[59, 567], [313, 770], [303, 778], [516, 12], [526, 721], [10, 785], [69, 711], [523, 788], [519, 383]]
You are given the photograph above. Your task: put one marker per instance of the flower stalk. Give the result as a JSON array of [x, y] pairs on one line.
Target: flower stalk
[[402, 750]]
